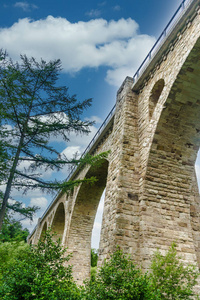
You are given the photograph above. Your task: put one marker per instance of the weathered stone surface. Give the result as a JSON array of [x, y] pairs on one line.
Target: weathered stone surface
[[152, 198]]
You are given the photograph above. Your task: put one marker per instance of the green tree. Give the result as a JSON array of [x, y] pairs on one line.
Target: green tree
[[10, 252], [171, 277], [36, 109], [119, 279], [12, 230], [40, 275]]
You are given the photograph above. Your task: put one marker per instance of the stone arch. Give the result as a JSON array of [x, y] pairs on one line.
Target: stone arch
[[170, 206], [58, 223], [82, 221], [155, 95], [43, 231]]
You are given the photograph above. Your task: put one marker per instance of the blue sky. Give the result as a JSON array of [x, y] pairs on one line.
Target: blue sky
[[99, 44]]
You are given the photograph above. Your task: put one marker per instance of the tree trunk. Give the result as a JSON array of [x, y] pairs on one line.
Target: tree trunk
[[10, 181]]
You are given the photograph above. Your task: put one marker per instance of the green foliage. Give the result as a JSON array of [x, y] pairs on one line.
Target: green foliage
[[37, 109], [25, 212], [10, 252], [171, 277], [93, 273], [94, 257], [119, 279], [42, 274], [12, 231]]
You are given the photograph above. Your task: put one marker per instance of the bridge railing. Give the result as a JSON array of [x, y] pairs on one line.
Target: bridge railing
[[166, 32], [98, 133]]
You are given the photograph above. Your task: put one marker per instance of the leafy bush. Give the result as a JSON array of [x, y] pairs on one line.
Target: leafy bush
[[119, 279], [12, 230], [93, 272], [40, 275], [9, 253], [173, 279]]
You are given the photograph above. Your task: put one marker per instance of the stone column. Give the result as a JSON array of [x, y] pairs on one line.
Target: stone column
[[120, 218]]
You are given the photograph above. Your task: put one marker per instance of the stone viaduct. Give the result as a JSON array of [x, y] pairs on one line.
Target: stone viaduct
[[153, 135]]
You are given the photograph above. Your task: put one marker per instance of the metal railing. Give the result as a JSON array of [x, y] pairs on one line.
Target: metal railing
[[166, 32], [98, 133]]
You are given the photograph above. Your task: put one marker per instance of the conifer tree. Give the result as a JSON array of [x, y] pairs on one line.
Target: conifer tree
[[33, 108]]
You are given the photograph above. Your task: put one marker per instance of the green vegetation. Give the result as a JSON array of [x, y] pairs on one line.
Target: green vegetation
[[40, 273], [94, 259], [171, 277], [43, 272], [10, 254], [118, 278], [12, 230], [36, 109]]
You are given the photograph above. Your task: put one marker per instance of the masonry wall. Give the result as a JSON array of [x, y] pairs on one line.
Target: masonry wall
[[120, 218], [169, 152], [152, 198]]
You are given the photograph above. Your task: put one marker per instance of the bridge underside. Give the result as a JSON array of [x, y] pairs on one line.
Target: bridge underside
[[170, 202]]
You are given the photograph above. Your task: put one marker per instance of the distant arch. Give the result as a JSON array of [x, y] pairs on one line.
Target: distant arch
[[155, 95], [82, 221], [58, 223], [44, 230]]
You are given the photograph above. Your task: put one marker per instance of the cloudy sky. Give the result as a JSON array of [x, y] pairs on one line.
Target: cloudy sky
[[99, 44]]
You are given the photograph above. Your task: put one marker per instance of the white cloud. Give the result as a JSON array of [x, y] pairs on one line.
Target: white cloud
[[25, 6], [11, 201], [70, 152], [50, 118], [39, 201], [94, 13], [26, 223], [114, 44], [81, 140], [15, 193]]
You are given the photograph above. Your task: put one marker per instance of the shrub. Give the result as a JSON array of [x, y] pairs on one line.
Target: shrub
[[119, 279], [171, 278], [41, 275], [9, 253]]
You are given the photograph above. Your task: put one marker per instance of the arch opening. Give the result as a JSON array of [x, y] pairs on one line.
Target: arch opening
[[96, 231], [155, 95], [82, 221], [44, 229], [58, 223], [171, 194]]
